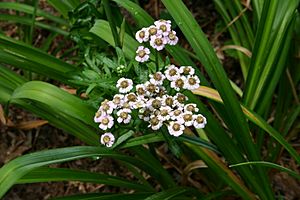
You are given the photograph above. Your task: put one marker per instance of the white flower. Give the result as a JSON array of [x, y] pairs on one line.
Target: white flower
[[154, 103], [176, 128], [168, 100], [164, 26], [176, 114], [140, 89], [179, 100], [142, 35], [99, 114], [106, 122], [107, 139], [134, 101], [199, 121], [107, 106], [179, 83], [124, 85], [192, 83], [187, 70], [153, 31], [191, 107], [151, 88], [124, 115], [164, 113], [118, 100], [142, 54], [158, 42], [172, 73], [155, 123], [157, 78], [172, 38], [144, 114], [188, 118]]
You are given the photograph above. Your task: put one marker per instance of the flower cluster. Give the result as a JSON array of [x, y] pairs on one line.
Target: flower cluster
[[158, 35], [152, 103]]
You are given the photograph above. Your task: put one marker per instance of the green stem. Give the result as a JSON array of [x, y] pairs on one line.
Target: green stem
[[111, 21]]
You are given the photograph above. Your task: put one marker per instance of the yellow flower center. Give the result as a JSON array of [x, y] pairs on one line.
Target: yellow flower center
[[124, 115], [176, 127], [158, 41], [179, 83], [156, 103], [106, 139], [186, 70], [157, 76], [140, 91], [131, 97], [192, 81], [172, 36], [173, 72], [181, 98], [141, 53], [190, 108], [124, 84], [163, 28], [177, 112], [154, 121], [200, 120], [151, 87], [142, 34], [188, 117], [152, 31], [169, 101], [105, 121], [98, 113]]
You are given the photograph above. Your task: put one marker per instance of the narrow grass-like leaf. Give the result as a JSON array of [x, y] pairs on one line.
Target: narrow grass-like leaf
[[105, 196], [56, 98], [236, 120], [29, 10], [271, 165], [11, 172], [168, 194], [26, 57], [165, 179], [215, 163], [267, 53], [27, 21], [256, 119], [61, 103], [206, 54], [45, 174], [64, 6]]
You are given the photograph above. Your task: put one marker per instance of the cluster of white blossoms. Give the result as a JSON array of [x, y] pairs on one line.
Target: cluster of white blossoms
[[152, 104], [158, 35]]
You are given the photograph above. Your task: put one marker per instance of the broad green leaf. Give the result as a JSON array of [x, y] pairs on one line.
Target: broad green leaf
[[102, 29], [222, 171], [45, 174], [105, 196], [11, 172], [30, 10], [55, 105], [268, 56], [256, 119], [236, 120], [64, 7], [28, 21], [23, 56], [169, 194]]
